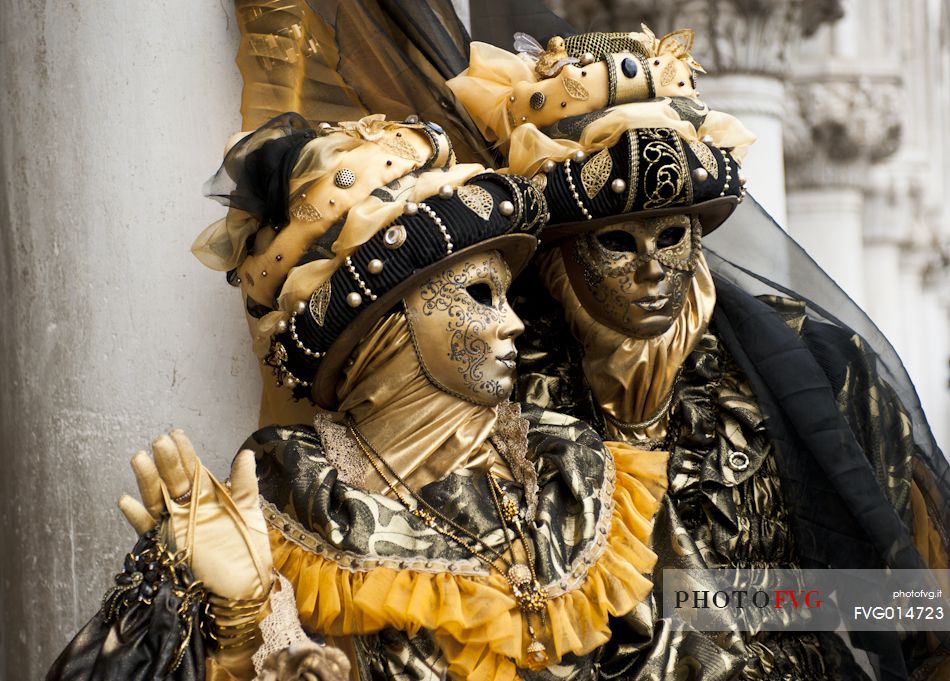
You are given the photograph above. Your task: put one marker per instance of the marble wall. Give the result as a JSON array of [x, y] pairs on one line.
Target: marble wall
[[114, 113]]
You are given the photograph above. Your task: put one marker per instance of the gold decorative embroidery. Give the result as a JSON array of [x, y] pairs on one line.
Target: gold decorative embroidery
[[705, 156], [633, 178], [319, 302], [305, 212], [341, 450], [596, 172], [575, 90], [476, 199], [665, 169], [510, 439], [400, 147]]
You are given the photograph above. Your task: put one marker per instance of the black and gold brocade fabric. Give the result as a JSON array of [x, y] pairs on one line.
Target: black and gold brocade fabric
[[725, 508], [726, 505], [406, 602]]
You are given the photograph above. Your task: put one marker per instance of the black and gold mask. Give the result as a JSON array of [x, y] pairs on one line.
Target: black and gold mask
[[633, 276]]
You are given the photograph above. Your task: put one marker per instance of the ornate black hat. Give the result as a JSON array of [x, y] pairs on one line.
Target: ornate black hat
[[649, 171], [330, 227], [609, 125]]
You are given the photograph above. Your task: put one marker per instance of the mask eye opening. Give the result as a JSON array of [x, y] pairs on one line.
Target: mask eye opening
[[670, 236], [617, 241], [480, 292]]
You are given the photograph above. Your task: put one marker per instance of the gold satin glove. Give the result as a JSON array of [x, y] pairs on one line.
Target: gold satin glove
[[230, 550], [223, 530]]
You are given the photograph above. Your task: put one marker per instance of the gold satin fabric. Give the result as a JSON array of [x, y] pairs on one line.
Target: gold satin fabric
[[631, 378], [421, 432], [287, 62], [495, 75]]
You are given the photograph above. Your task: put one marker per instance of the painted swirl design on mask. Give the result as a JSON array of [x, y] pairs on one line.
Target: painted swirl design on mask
[[610, 275], [469, 321]]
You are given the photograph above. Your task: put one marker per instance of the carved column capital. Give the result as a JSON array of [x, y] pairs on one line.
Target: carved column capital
[[838, 126], [733, 36]]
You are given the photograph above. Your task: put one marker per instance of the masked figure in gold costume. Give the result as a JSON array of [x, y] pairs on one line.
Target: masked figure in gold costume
[[787, 448], [423, 524]]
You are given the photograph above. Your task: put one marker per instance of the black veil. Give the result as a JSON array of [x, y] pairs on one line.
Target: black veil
[[829, 491], [753, 252]]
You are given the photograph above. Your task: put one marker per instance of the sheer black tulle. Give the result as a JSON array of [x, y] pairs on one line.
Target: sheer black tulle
[[755, 254], [496, 21], [255, 174], [395, 57]]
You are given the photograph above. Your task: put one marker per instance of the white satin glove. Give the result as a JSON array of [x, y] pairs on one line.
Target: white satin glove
[[230, 550]]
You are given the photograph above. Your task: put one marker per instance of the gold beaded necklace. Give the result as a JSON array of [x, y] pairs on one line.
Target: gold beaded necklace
[[521, 577]]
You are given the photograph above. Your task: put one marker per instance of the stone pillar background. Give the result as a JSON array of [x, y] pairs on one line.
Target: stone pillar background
[[113, 115]]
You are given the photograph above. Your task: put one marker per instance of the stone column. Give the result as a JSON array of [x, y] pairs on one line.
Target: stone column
[[892, 199], [938, 281], [839, 125], [112, 116]]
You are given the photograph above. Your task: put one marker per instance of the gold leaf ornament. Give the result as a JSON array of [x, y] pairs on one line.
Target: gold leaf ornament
[[400, 147], [678, 43], [305, 212], [575, 90], [476, 199], [596, 172], [370, 128], [319, 302], [705, 156], [668, 74]]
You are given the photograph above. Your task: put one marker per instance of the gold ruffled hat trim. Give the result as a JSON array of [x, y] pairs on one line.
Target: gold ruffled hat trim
[[496, 80], [474, 619]]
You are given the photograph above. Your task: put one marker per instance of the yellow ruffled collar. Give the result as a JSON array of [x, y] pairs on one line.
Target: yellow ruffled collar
[[471, 613]]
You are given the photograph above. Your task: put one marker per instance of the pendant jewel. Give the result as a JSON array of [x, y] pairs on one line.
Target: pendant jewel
[[531, 596], [519, 575], [537, 655], [509, 509]]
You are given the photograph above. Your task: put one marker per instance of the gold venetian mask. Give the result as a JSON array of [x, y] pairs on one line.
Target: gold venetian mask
[[633, 277], [463, 330]]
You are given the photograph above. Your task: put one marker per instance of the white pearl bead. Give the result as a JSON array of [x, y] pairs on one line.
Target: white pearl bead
[[700, 174], [618, 186], [354, 299], [282, 326], [707, 139], [375, 266], [446, 191], [300, 307], [506, 208], [412, 208], [548, 166], [579, 156]]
